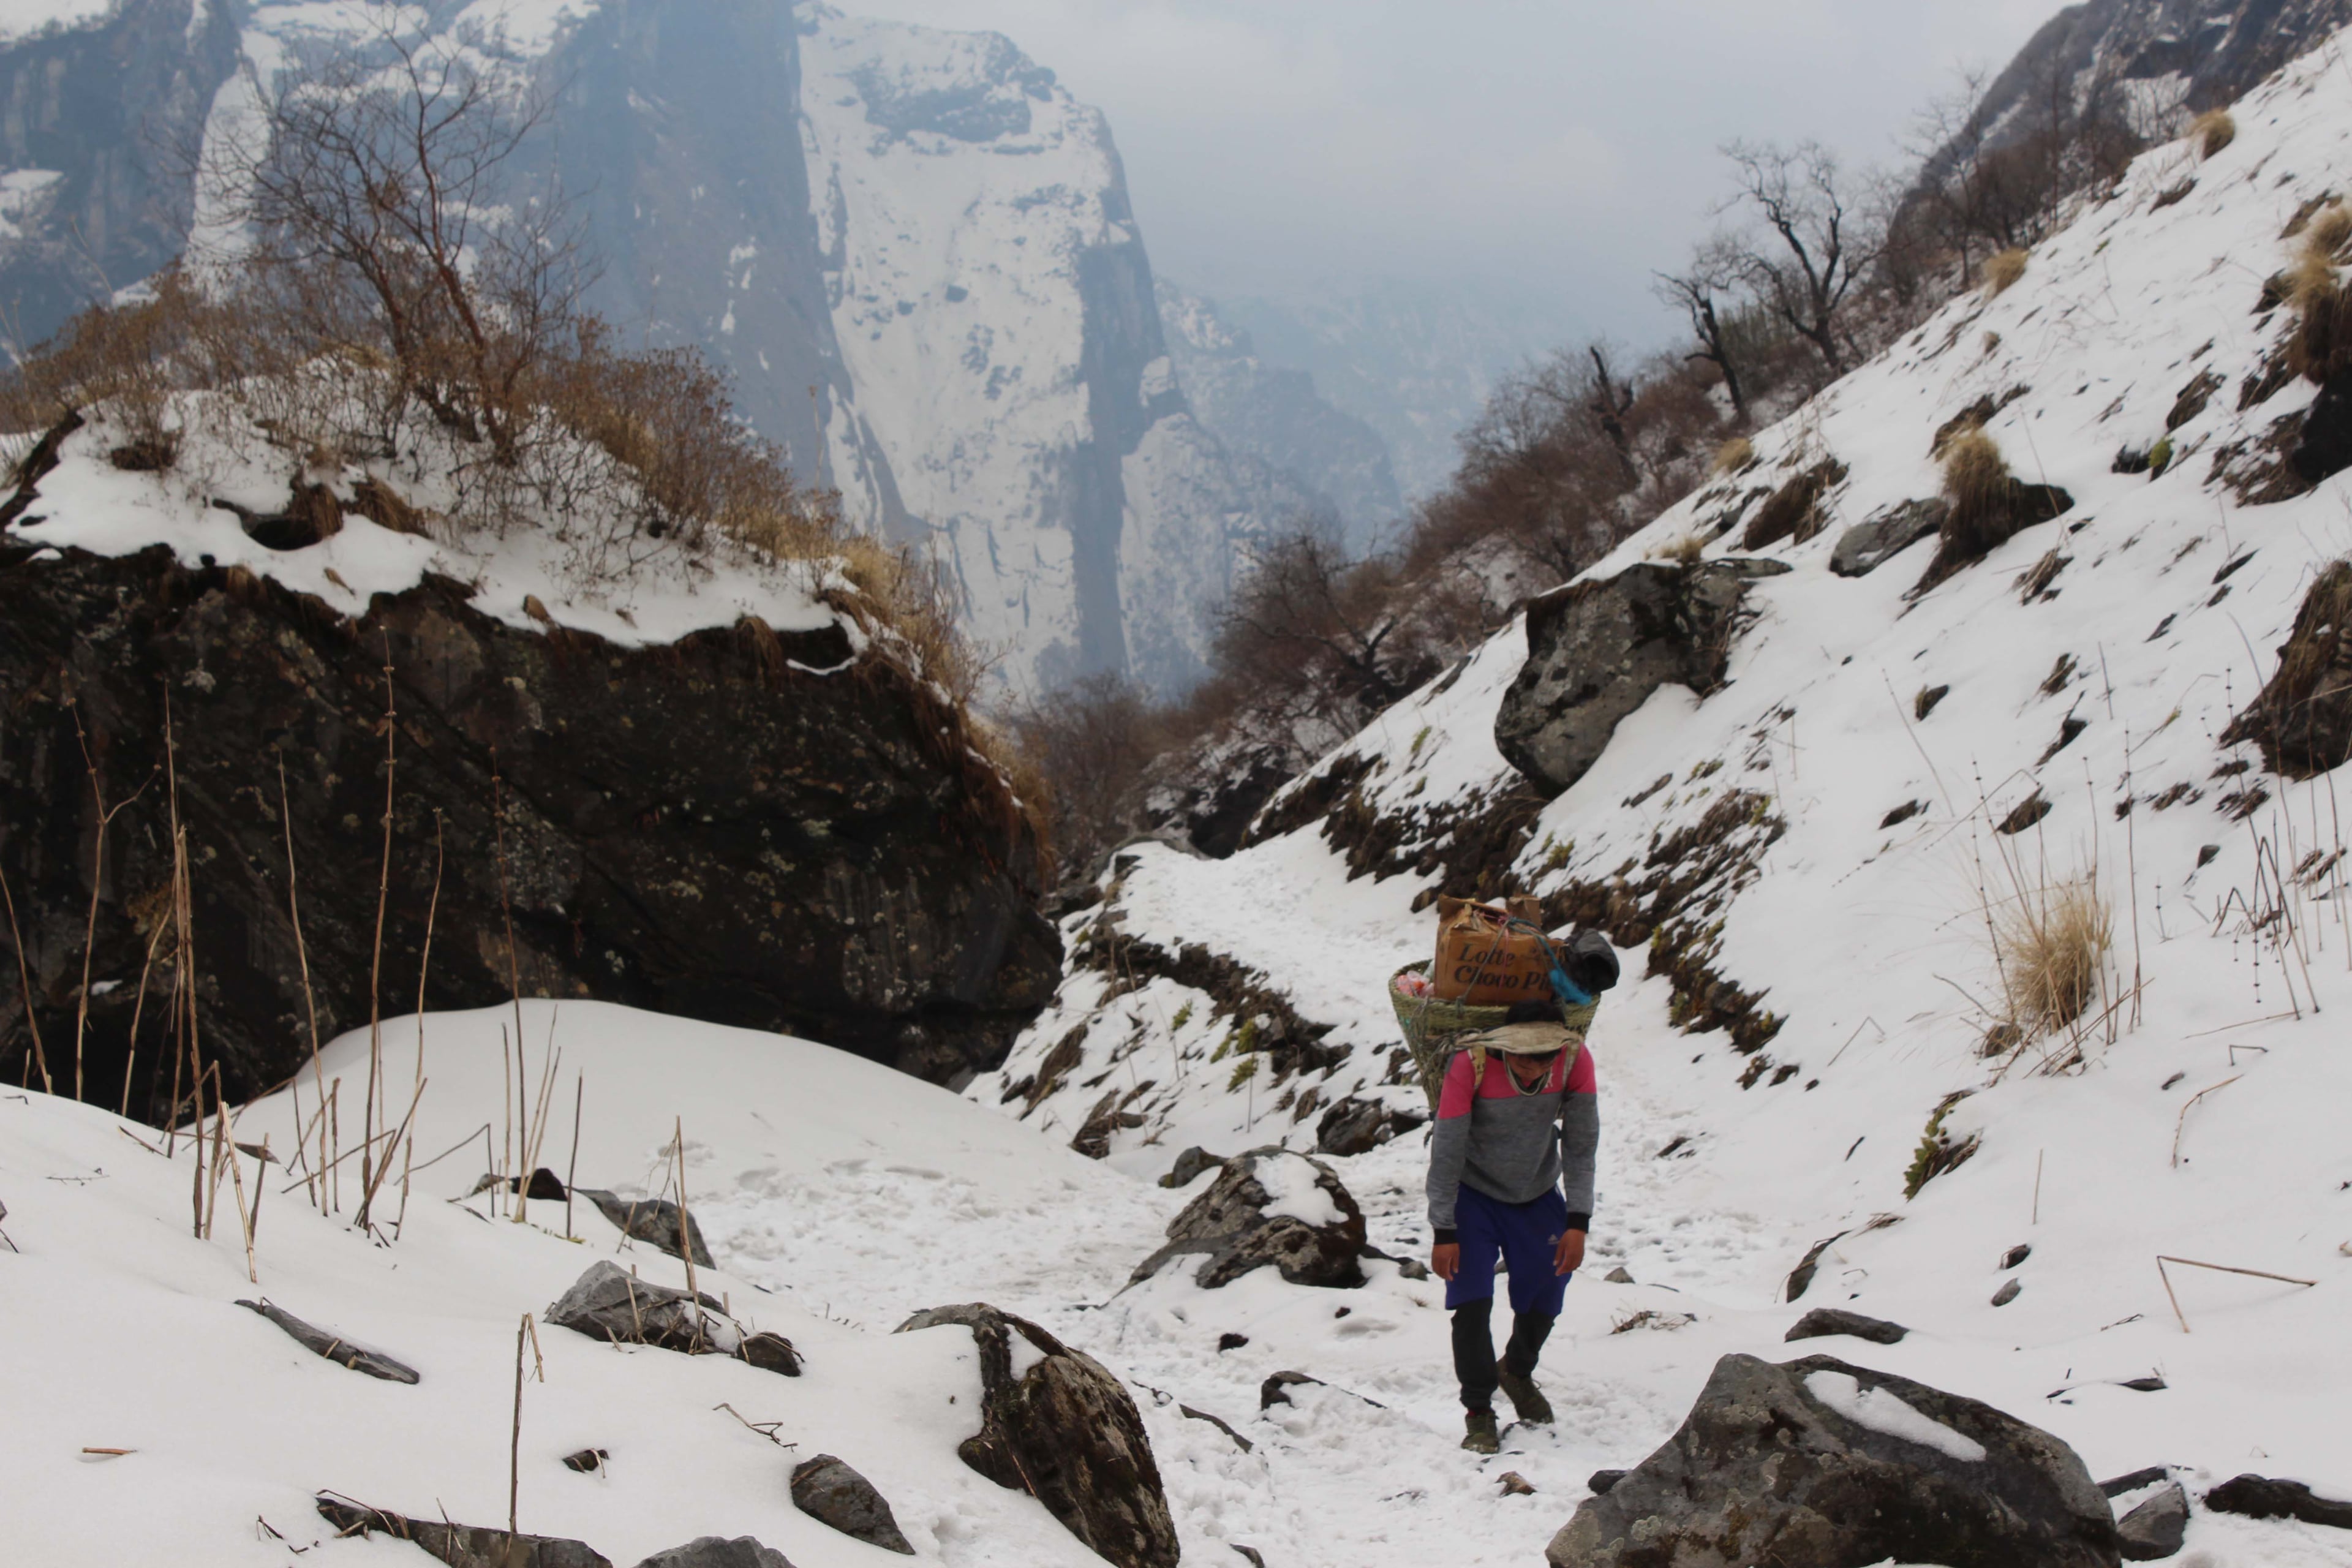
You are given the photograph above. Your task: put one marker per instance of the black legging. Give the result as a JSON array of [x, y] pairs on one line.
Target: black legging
[[1473, 1349]]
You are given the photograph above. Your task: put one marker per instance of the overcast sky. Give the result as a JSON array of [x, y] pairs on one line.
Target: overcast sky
[[1550, 152]]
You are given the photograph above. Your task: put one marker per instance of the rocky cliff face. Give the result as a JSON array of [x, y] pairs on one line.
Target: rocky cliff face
[[94, 111], [2209, 52], [741, 827], [912, 248]]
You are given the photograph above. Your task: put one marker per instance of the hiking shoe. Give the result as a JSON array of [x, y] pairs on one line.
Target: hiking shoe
[[1526, 1397], [1481, 1438]]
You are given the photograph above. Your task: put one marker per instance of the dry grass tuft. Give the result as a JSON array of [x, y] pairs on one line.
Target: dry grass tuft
[[2053, 946], [1734, 456], [1977, 480], [2329, 230], [1685, 551], [2213, 130], [2002, 272], [2322, 343]]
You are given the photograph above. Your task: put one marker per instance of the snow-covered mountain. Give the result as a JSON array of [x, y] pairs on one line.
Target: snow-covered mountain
[[1276, 416], [2196, 53], [1415, 362], [912, 247]]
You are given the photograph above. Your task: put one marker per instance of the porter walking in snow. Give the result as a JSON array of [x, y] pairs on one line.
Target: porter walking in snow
[[1510, 1177]]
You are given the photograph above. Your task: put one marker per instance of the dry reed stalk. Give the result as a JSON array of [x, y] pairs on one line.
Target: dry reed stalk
[[302, 953], [551, 1067], [685, 1237], [96, 881], [2218, 1269], [383, 1170], [506, 911], [335, 1131], [423, 970], [375, 966], [138, 1011], [2181, 1123], [25, 980], [245, 1221], [571, 1168], [526, 1332], [506, 1119]]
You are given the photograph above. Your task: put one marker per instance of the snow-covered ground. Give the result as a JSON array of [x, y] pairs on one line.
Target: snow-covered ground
[[2206, 1123]]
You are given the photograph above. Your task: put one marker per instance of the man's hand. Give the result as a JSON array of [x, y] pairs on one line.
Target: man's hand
[[1568, 1255], [1446, 1260]]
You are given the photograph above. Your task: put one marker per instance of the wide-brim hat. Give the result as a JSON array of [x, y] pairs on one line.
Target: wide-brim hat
[[1525, 1039]]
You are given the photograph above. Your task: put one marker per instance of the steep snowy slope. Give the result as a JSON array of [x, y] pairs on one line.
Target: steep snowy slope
[[1809, 855]]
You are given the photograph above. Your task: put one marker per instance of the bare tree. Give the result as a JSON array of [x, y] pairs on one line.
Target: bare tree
[[1702, 291], [1308, 621], [379, 189], [1823, 239]]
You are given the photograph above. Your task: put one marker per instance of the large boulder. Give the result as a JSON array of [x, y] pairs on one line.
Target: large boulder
[[1818, 1464], [1269, 1206], [2302, 719], [606, 1303], [742, 884], [462, 1545], [1598, 647], [826, 1489], [1056, 1425], [655, 1221], [1879, 538], [719, 1552]]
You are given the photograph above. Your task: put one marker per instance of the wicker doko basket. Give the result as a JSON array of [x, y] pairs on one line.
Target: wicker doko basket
[[1435, 1030]]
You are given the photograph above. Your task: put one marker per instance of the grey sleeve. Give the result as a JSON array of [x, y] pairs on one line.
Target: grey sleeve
[[1449, 1144], [1580, 1142]]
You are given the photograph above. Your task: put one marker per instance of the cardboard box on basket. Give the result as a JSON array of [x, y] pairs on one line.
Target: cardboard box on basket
[[1485, 960]]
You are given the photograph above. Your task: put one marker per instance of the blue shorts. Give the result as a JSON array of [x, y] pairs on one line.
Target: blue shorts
[[1524, 1235]]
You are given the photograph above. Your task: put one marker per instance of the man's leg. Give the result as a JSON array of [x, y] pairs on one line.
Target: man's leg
[[1470, 1296], [1529, 1332], [1529, 1235], [1474, 1353]]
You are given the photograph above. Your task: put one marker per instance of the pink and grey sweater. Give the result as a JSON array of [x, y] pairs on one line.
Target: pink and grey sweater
[[1513, 1145]]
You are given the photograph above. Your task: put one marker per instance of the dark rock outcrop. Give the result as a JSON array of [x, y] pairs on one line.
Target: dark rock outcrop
[[829, 1490], [1598, 647], [1878, 539], [2259, 1496], [1824, 1322], [607, 1303], [1065, 1431], [716, 1552], [319, 1343], [2157, 1528], [1190, 1167], [654, 1221], [835, 870], [1969, 533], [1357, 1126], [1248, 1219], [2302, 718], [462, 1545], [1769, 1467]]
